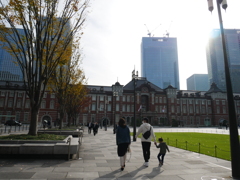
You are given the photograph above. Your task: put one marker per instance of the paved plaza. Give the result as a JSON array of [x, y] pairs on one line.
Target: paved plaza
[[99, 161]]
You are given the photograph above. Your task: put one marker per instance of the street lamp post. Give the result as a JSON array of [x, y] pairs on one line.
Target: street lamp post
[[105, 119], [134, 78], [117, 89], [233, 128]]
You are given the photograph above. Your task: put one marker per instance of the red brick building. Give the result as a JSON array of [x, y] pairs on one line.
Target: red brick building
[[164, 107], [14, 104]]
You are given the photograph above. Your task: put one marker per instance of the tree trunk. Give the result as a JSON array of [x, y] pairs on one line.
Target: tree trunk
[[34, 121], [61, 118]]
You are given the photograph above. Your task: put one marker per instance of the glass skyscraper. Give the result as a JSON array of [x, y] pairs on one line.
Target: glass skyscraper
[[159, 61], [198, 82], [9, 69], [215, 60]]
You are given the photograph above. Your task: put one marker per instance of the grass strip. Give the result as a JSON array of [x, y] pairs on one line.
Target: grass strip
[[216, 145]]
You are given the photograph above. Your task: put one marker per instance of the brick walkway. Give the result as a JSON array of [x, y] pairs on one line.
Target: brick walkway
[[99, 161]]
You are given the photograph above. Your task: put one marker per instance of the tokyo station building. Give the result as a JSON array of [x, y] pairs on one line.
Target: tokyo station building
[[163, 107]]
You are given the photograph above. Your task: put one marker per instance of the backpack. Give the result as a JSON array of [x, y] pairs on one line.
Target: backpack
[[147, 134]]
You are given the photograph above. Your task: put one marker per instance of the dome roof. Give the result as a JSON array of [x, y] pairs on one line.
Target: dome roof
[[117, 83]]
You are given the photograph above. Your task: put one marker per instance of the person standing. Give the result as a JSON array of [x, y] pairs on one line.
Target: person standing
[[146, 140], [163, 149], [123, 141], [95, 128], [89, 127]]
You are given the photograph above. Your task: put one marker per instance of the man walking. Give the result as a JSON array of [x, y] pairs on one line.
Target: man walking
[[95, 128], [90, 125], [147, 135]]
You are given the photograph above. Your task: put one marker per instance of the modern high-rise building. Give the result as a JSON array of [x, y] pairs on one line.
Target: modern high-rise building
[[215, 60], [9, 69], [159, 61], [198, 82]]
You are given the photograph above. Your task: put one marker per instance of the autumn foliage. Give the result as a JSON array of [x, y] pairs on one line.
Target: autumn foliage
[[39, 34]]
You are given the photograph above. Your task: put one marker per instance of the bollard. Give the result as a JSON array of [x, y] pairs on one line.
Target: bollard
[[186, 145], [199, 148], [215, 151]]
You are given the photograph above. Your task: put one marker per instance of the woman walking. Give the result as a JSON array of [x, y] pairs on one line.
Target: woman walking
[[123, 141]]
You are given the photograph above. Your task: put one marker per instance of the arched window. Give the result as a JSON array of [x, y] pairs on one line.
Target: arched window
[[43, 105]]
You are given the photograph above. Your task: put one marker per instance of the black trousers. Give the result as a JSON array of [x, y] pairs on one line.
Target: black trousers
[[89, 130], [146, 150]]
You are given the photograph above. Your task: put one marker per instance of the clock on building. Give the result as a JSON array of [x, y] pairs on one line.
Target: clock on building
[[144, 89]]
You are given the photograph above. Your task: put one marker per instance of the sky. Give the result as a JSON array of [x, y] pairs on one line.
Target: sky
[[111, 43]]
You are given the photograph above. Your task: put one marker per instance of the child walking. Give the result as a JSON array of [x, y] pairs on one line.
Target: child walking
[[163, 148]]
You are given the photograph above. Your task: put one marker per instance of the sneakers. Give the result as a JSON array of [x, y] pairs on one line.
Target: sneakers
[[146, 164]]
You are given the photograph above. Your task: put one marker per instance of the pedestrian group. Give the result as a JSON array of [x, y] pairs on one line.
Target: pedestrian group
[[123, 142]]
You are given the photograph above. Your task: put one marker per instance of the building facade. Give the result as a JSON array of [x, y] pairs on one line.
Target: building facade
[[163, 107], [215, 60], [198, 82], [9, 70], [15, 104], [159, 61]]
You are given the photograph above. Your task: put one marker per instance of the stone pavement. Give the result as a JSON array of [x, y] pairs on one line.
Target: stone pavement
[[99, 161]]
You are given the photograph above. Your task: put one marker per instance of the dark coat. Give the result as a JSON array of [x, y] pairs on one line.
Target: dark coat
[[123, 135]]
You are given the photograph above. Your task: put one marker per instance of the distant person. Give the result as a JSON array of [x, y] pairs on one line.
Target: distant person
[[115, 128], [49, 124], [123, 141], [145, 129], [163, 149], [90, 126], [45, 122], [95, 128]]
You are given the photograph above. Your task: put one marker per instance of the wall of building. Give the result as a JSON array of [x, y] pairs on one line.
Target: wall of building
[[163, 108]]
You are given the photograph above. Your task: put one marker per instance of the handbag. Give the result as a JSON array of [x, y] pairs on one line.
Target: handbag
[[147, 134]]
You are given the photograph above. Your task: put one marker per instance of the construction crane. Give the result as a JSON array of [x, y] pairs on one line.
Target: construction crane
[[150, 33], [167, 31]]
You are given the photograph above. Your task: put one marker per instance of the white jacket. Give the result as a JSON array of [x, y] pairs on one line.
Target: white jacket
[[142, 129]]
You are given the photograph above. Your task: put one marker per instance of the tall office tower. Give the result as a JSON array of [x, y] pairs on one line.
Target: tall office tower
[[159, 61], [9, 70], [198, 82], [215, 60]]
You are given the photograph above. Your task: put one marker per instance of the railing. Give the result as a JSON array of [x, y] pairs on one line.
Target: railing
[[10, 129], [80, 136], [215, 130], [69, 141]]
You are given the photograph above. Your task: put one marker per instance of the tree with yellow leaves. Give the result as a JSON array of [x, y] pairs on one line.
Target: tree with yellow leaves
[[68, 83], [49, 28], [77, 100]]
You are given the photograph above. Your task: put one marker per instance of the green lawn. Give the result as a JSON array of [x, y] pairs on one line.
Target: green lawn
[[216, 145]]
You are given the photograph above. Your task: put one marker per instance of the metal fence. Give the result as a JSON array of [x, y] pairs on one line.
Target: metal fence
[[12, 129], [214, 151]]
